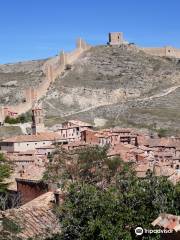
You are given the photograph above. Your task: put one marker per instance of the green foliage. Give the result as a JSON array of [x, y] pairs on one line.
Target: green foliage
[[25, 117], [9, 230], [91, 213], [112, 210], [162, 132], [5, 171], [90, 165], [114, 213], [11, 120], [58, 171], [91, 161], [10, 226], [177, 198]]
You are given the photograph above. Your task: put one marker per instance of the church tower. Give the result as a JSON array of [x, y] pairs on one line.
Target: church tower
[[37, 119]]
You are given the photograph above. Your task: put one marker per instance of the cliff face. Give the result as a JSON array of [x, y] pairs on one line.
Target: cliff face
[[122, 85]]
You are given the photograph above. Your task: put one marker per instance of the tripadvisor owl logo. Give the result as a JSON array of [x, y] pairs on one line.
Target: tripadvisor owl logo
[[139, 231]]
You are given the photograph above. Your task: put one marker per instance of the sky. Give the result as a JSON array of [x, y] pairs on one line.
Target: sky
[[37, 29]]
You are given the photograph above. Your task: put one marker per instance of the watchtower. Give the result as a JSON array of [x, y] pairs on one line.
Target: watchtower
[[115, 38]]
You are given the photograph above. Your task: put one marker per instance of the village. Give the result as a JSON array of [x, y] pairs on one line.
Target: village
[[30, 152]]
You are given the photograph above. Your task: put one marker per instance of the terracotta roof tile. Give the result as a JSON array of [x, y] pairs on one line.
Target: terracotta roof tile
[[35, 218], [47, 136], [167, 221]]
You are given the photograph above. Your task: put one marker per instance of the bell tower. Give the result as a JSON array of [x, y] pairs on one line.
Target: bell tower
[[37, 119]]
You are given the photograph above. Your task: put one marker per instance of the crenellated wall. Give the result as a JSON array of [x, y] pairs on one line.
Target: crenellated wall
[[52, 68], [167, 51]]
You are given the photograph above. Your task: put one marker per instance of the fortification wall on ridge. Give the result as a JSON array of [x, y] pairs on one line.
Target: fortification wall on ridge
[[167, 51], [52, 68]]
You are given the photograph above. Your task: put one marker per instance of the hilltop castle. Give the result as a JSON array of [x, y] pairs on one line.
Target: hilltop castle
[[54, 67], [116, 38]]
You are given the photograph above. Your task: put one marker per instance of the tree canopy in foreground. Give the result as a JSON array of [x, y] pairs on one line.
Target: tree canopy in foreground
[[106, 201]]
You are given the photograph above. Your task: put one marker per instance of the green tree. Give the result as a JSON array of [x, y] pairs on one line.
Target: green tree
[[113, 210], [5, 171], [90, 165]]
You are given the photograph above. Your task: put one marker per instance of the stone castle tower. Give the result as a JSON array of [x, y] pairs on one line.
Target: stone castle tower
[[37, 119], [116, 38]]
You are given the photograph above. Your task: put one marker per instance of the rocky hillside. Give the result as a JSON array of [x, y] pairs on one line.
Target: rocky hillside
[[118, 85], [14, 78]]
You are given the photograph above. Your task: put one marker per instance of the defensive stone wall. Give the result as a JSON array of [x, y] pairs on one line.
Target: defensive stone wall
[[167, 51], [52, 68]]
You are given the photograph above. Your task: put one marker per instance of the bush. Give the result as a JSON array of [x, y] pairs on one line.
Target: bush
[[11, 120], [23, 118], [162, 132], [68, 67]]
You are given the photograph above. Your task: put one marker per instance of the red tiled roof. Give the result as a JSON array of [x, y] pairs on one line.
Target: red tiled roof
[[175, 178], [161, 142], [36, 218], [47, 136], [79, 123], [168, 221]]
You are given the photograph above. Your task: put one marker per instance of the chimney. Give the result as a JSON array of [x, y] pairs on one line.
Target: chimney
[[59, 197]]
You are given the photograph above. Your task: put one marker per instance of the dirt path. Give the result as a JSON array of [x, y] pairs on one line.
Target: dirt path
[[162, 94]]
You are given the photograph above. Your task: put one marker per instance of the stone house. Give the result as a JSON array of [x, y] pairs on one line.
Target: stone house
[[89, 136], [71, 130], [29, 142], [45, 150], [170, 223], [30, 189]]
